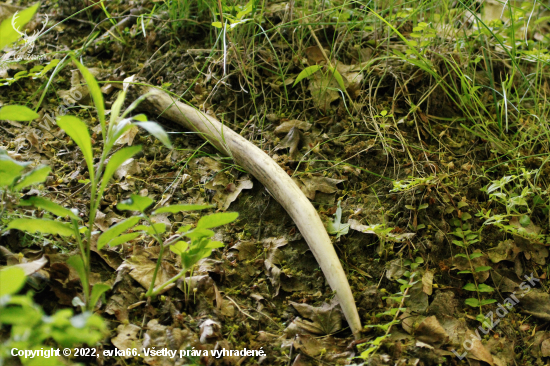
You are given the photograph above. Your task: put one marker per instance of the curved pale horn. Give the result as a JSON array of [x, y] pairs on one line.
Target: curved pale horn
[[275, 179]]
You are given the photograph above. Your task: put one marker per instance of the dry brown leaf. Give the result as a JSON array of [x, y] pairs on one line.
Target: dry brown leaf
[[315, 55], [291, 141], [142, 266], [323, 88], [287, 126], [226, 191], [246, 249], [325, 319], [459, 333], [129, 167], [78, 92], [127, 338], [209, 330], [310, 185], [532, 251], [105, 221], [272, 246], [545, 348], [127, 138], [427, 282], [463, 264], [505, 250], [31, 267], [430, 331]]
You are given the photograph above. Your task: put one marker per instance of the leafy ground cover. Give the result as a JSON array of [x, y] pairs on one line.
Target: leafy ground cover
[[419, 130]]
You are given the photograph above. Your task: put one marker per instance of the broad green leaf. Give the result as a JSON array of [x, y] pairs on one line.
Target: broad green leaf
[[10, 35], [466, 216], [461, 255], [17, 113], [116, 230], [423, 206], [98, 290], [214, 245], [306, 73], [524, 220], [117, 106], [140, 117], [148, 229], [217, 219], [179, 247], [42, 226], [12, 280], [476, 255], [37, 175], [537, 200], [124, 238], [53, 63], [459, 243], [483, 268], [184, 229], [217, 25], [78, 131], [78, 265], [135, 203], [419, 260], [24, 317], [247, 9], [470, 287], [42, 361], [115, 161], [488, 301], [188, 260], [9, 168], [49, 206], [180, 208], [116, 131], [95, 92], [454, 221], [338, 78], [134, 105], [156, 130], [472, 302], [160, 227], [461, 204], [200, 233], [485, 288]]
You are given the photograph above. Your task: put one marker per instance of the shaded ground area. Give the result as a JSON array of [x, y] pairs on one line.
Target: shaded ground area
[[422, 137]]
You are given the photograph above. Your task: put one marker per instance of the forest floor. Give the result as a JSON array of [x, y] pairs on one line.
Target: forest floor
[[428, 147]]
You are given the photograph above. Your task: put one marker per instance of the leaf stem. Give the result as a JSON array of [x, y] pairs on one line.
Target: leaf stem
[[157, 237], [157, 290]]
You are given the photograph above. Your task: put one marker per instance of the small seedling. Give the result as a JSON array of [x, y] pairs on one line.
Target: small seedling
[[191, 252], [99, 177], [465, 238], [393, 313], [336, 227], [415, 226]]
